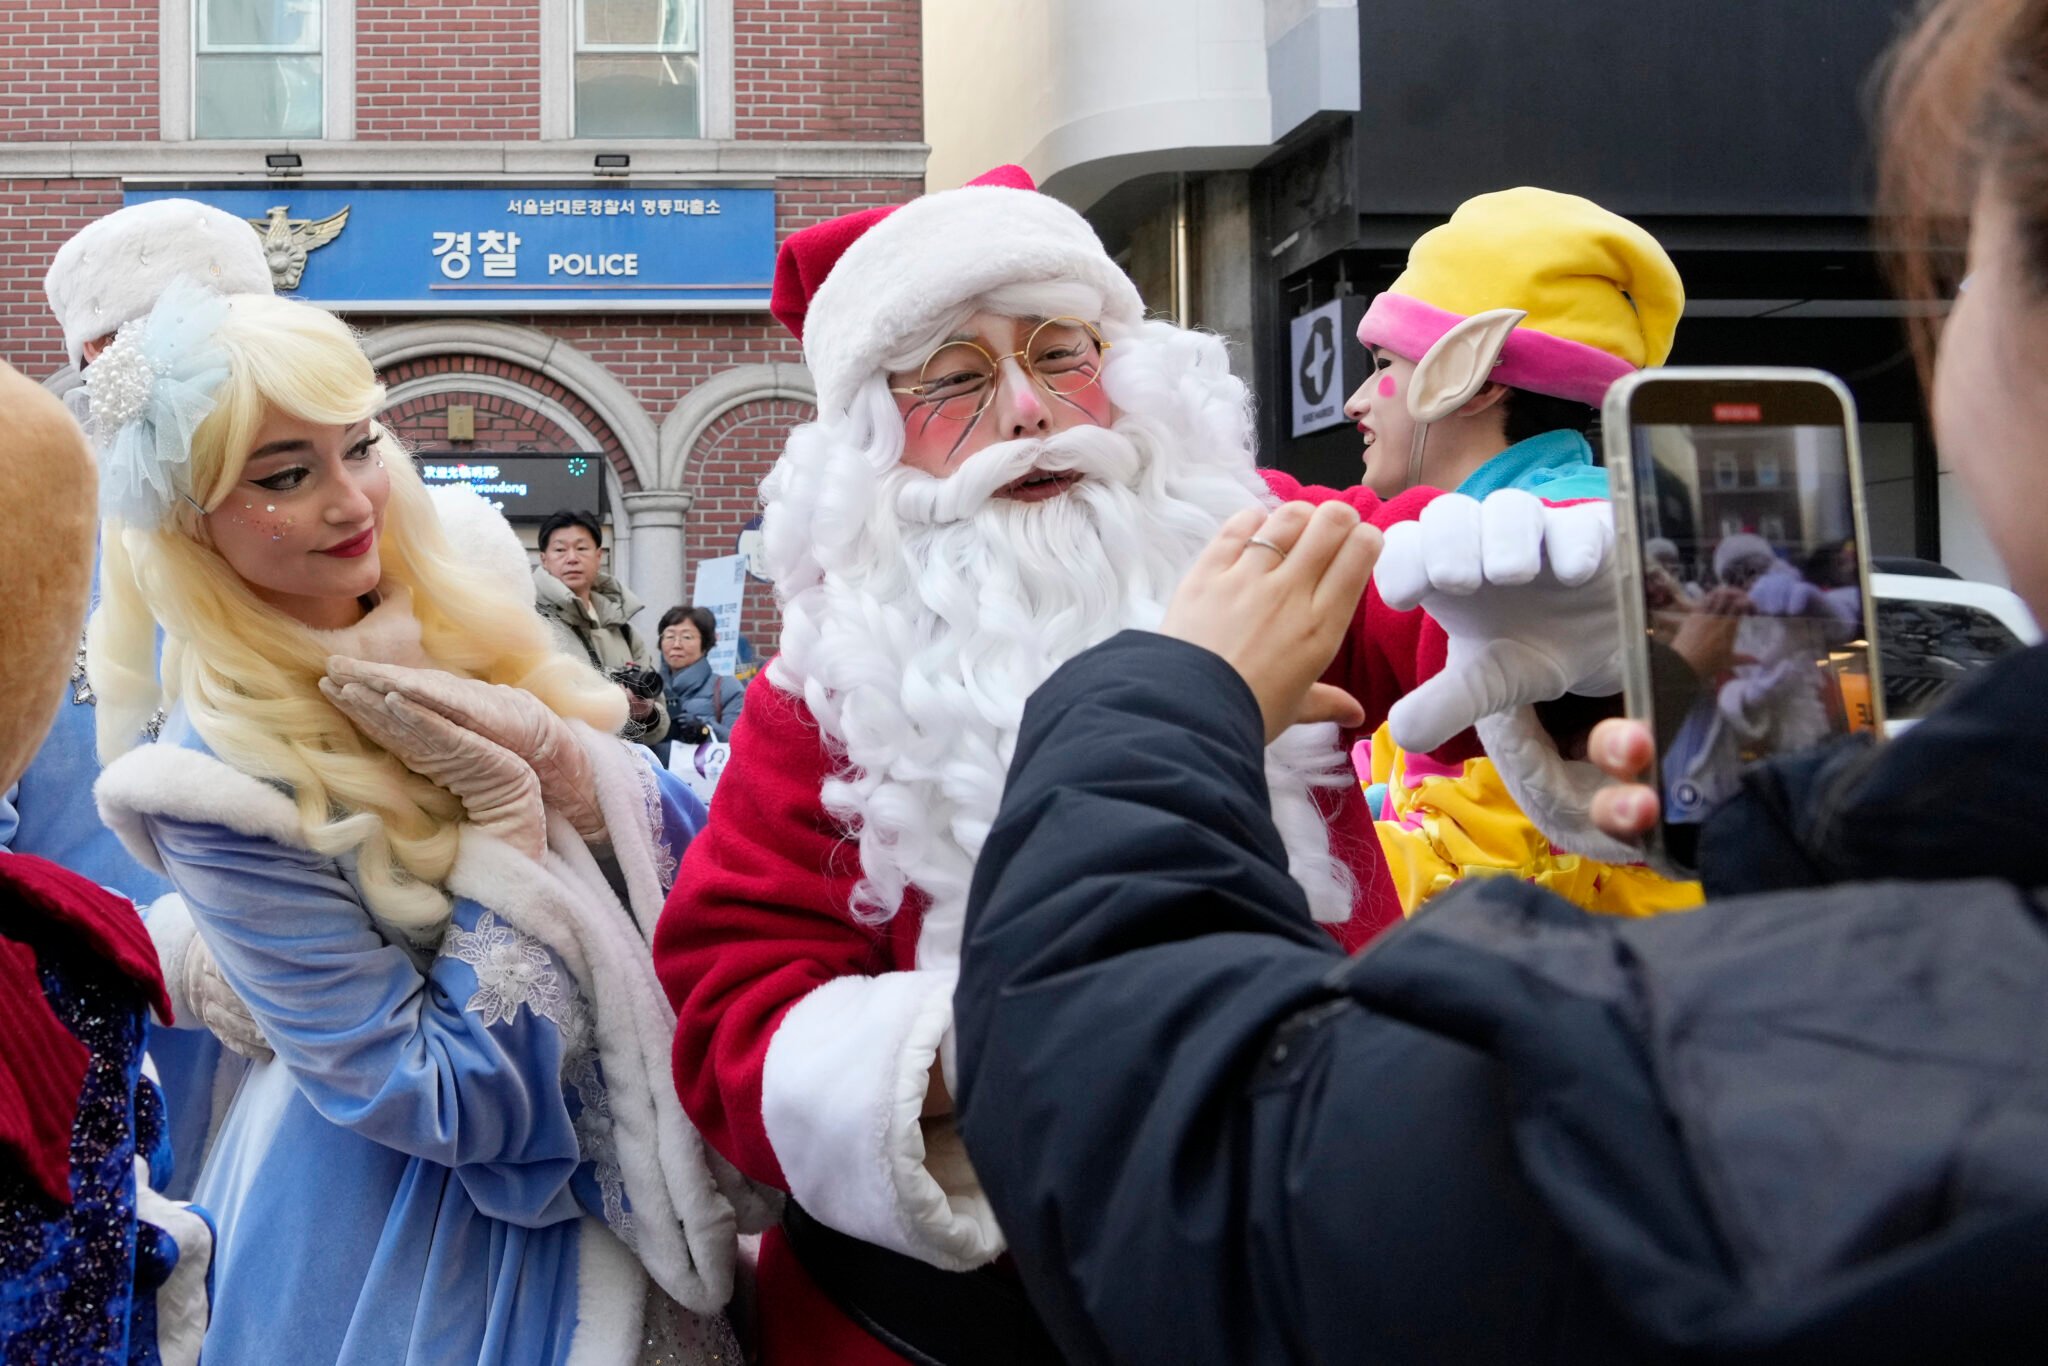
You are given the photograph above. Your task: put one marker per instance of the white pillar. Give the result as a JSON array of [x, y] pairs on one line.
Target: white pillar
[[657, 578]]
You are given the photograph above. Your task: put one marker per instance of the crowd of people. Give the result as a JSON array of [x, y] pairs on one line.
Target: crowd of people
[[1153, 910]]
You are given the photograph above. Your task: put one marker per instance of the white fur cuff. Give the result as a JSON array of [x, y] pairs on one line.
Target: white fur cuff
[[169, 922], [841, 1091]]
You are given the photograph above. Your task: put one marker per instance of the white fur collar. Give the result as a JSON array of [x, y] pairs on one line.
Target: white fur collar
[[389, 633]]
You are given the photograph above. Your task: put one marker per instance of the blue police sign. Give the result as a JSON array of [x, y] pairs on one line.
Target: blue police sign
[[510, 249]]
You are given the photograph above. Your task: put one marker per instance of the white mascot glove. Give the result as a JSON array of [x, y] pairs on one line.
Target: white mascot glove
[[200, 996], [1524, 591]]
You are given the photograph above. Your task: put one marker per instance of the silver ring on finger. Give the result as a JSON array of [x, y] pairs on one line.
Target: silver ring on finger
[[1265, 544]]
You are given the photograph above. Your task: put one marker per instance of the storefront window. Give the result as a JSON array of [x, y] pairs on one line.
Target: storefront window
[[637, 69], [257, 69]]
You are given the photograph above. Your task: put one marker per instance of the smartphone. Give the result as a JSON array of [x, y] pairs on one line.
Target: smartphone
[[1747, 621]]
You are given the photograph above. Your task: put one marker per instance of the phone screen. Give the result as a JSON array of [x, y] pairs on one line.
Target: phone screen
[[1751, 580]]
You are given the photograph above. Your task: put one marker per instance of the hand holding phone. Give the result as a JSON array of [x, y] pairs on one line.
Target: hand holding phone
[[1745, 605]]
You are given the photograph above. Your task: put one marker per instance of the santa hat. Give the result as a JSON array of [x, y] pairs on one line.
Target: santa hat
[[1602, 296], [1742, 548], [116, 267], [858, 289]]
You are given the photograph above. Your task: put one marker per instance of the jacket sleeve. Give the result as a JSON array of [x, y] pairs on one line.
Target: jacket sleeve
[[1192, 1161], [801, 1053], [461, 1062], [733, 696], [1387, 653]]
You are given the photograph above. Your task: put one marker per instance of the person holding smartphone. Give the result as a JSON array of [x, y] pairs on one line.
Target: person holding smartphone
[[1799, 1125]]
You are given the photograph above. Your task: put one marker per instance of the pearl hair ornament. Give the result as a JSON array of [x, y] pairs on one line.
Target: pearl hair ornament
[[146, 395]]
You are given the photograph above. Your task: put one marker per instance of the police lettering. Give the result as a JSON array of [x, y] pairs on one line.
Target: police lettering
[[591, 263]]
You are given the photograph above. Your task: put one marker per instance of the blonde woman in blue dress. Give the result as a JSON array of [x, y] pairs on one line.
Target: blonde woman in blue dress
[[413, 848]]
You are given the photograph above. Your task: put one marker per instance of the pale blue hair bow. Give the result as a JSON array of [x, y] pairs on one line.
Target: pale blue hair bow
[[146, 394]]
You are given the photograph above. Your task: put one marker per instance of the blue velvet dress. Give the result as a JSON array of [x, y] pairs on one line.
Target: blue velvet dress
[[425, 1170]]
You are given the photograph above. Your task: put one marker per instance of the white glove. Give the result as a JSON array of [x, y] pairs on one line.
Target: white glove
[[498, 790], [200, 996], [511, 718], [1787, 595], [1524, 591]]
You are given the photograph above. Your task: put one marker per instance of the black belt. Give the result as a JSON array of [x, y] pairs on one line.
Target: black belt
[[927, 1316]]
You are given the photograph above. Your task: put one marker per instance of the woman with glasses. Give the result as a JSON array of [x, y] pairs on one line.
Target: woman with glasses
[[702, 705]]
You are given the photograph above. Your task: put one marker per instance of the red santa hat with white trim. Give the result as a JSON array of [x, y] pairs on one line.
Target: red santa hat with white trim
[[857, 289]]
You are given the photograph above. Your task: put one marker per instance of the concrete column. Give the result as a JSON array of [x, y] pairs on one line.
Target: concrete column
[[1223, 262], [657, 571]]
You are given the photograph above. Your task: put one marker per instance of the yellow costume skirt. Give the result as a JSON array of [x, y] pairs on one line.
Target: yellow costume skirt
[[1440, 824]]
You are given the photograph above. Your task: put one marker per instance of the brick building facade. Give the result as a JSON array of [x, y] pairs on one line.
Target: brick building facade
[[821, 103]]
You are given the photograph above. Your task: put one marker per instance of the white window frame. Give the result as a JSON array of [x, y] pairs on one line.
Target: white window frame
[[560, 24], [178, 47]]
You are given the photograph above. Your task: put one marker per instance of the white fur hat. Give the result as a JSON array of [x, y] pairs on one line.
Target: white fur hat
[[908, 270], [480, 535], [114, 269]]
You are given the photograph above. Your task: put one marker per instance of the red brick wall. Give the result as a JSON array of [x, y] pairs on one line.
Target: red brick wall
[[83, 71], [725, 474], [848, 69], [36, 216], [468, 71]]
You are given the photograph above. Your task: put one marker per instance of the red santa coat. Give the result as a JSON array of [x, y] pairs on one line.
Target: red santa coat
[[805, 1038]]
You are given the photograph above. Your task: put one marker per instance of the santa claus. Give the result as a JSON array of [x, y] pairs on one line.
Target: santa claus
[[1010, 464]]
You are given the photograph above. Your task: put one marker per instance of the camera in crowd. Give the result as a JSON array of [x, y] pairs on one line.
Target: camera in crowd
[[640, 682]]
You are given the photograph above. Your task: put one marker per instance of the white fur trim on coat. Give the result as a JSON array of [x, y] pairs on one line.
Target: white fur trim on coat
[[183, 1302], [481, 537], [114, 269], [685, 1226], [904, 275], [841, 1091]]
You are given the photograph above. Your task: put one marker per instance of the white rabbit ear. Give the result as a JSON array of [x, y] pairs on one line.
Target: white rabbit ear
[[1460, 363]]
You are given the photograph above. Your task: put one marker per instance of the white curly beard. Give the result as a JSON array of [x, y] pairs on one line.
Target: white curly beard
[[920, 613]]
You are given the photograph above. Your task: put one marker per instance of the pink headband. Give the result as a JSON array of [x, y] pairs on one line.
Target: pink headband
[[1531, 360]]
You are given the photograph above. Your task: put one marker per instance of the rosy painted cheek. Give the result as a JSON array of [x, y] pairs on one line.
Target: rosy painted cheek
[[1387, 386]]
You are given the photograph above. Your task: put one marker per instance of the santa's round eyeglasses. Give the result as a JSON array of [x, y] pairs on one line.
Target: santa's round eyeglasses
[[1062, 356]]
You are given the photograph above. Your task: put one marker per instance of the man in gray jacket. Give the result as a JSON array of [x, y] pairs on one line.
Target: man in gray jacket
[[591, 610]]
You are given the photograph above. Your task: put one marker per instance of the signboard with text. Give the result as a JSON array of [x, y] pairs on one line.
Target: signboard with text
[[509, 249], [720, 587], [525, 487]]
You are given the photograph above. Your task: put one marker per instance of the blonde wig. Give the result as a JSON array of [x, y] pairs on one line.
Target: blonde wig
[[248, 675]]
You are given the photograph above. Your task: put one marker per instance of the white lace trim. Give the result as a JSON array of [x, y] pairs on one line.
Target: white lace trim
[[666, 861], [596, 1142], [512, 970]]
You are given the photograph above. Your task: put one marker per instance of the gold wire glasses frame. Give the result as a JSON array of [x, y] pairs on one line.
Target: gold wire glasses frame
[[1062, 356]]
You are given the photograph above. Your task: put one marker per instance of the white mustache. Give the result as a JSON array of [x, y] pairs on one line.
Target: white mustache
[[1094, 452]]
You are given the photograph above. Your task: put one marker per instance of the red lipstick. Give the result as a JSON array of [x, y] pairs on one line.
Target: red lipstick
[[353, 546]]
